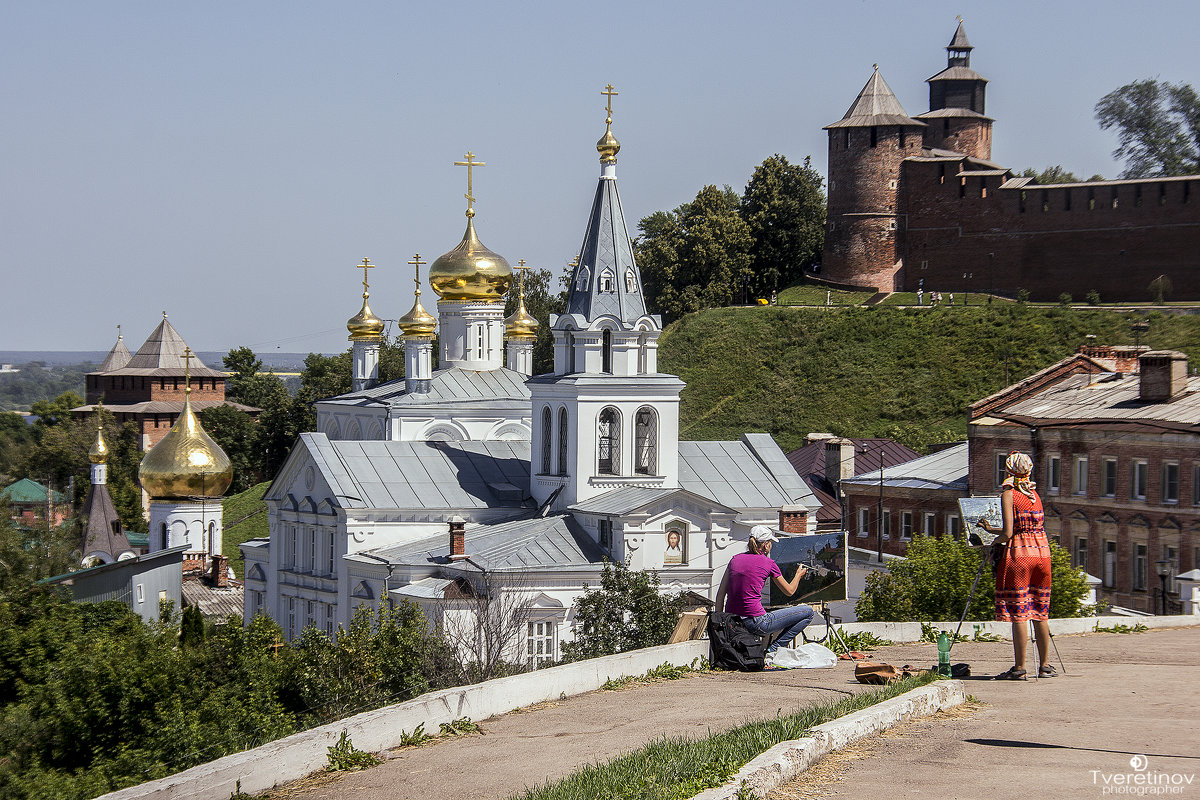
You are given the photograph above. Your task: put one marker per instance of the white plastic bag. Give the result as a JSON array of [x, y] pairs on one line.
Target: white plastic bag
[[807, 656]]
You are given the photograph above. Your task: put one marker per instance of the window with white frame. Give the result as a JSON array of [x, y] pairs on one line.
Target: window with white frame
[[332, 552], [906, 524], [291, 603], [929, 523], [539, 643], [1138, 567], [864, 522], [999, 458], [1170, 482], [609, 442], [330, 614], [606, 533], [311, 615], [645, 452], [1079, 482], [563, 439], [1171, 556], [141, 593], [1108, 478], [547, 440], [954, 525], [1140, 479], [1053, 474], [310, 550]]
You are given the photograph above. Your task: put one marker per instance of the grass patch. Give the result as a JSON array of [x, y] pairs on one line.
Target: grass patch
[[862, 641], [674, 768], [663, 672], [1118, 628], [244, 517], [814, 294]]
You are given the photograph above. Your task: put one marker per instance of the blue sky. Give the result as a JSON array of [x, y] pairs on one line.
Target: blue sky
[[231, 162]]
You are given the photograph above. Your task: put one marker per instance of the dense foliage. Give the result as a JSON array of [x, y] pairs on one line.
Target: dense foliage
[[92, 699], [37, 381], [627, 612], [933, 582], [723, 248], [900, 373], [1157, 125]]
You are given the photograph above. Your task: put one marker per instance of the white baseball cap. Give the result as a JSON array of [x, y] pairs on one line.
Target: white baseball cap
[[761, 533]]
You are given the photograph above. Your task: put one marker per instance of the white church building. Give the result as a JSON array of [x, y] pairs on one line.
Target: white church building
[[477, 478]]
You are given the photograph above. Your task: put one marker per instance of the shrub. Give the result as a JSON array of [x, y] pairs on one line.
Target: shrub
[[1093, 297], [1065, 299], [627, 612], [933, 582]]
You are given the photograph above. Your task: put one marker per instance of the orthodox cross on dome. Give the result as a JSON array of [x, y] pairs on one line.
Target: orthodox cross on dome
[[364, 266], [469, 164], [417, 264], [611, 93], [187, 370], [521, 270]]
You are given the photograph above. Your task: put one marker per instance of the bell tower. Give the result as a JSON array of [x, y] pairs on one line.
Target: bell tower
[[605, 418], [956, 119]]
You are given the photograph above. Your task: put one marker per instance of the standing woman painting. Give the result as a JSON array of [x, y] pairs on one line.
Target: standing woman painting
[[1023, 574]]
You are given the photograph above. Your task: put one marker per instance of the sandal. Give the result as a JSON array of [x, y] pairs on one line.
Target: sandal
[[1012, 674], [1047, 671]]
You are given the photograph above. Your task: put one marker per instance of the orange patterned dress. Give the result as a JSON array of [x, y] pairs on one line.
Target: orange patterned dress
[[1023, 577]]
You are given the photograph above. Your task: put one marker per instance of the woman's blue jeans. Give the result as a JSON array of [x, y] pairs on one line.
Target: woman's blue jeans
[[791, 620]]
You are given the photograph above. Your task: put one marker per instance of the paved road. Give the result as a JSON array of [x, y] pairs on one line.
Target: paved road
[[1123, 695]]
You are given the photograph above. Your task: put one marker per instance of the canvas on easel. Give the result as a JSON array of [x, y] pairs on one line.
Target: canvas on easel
[[977, 509], [824, 554]]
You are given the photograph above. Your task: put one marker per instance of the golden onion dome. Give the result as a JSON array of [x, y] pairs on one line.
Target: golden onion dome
[[418, 321], [608, 146], [471, 272], [521, 324], [186, 462], [99, 452], [364, 325]]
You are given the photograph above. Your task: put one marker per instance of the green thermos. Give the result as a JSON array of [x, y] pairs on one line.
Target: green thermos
[[943, 643]]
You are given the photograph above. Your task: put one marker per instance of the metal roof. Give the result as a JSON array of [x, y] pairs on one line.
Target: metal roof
[[953, 113], [450, 385], [29, 491], [417, 475], [751, 473], [945, 469], [876, 104], [426, 588], [621, 501], [606, 248], [117, 357], [810, 459], [164, 407], [102, 531], [959, 40], [162, 354], [957, 73], [552, 542], [1106, 399]]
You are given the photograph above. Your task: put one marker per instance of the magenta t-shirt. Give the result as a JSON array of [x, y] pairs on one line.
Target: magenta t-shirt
[[748, 573]]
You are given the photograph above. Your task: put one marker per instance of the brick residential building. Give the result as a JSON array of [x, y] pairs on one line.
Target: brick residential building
[[917, 496], [147, 387], [917, 202], [1114, 434]]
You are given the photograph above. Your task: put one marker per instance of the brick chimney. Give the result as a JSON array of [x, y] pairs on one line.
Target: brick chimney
[[1163, 376], [458, 538], [839, 460], [793, 519], [219, 571]]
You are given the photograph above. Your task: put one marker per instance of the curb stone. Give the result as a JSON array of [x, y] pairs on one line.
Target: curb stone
[[786, 760]]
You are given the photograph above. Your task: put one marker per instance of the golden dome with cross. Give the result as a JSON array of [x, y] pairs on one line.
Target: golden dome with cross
[[470, 271]]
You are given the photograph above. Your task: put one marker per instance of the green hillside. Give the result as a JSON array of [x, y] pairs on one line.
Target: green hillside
[[905, 374], [245, 518]]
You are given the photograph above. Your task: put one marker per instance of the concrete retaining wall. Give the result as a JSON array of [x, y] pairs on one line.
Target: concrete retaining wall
[[901, 632], [786, 760], [298, 755]]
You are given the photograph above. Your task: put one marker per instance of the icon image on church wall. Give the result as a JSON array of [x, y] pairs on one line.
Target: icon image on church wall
[[676, 551]]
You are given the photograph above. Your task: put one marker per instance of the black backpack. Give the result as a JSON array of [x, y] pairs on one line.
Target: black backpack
[[734, 647]]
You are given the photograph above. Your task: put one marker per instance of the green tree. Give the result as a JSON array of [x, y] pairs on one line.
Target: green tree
[[933, 581], [1052, 174], [1157, 125], [703, 258], [784, 209], [627, 612]]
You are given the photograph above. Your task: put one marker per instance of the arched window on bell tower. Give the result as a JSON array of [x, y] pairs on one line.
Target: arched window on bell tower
[[606, 351], [164, 536], [547, 445], [645, 443], [563, 439], [609, 442], [570, 352]]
